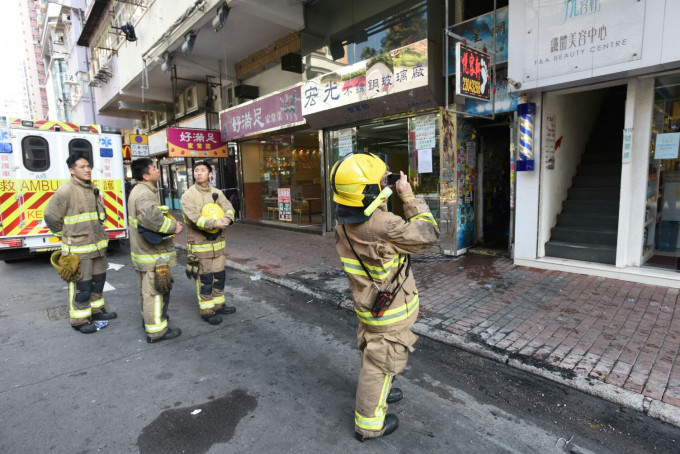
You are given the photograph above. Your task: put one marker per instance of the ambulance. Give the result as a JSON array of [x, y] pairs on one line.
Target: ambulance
[[33, 165]]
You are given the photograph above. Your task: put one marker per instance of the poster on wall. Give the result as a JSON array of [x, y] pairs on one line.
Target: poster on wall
[[425, 160], [345, 141], [666, 145], [465, 169], [425, 127], [578, 36], [284, 204], [549, 144]]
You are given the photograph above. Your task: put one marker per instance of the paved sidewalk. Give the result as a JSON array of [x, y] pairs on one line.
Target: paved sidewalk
[[615, 339]]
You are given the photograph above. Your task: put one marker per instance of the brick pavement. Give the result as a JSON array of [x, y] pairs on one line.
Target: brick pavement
[[617, 332]]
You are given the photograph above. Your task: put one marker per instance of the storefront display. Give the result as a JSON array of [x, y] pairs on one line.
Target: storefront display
[[661, 247]]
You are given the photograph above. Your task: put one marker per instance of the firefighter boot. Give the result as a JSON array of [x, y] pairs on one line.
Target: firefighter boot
[[213, 319], [104, 315], [225, 310], [391, 424], [395, 395], [85, 328], [171, 333]]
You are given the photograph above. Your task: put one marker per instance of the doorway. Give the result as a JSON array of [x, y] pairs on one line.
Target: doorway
[[494, 225], [173, 184]]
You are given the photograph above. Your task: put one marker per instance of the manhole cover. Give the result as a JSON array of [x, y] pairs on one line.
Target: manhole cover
[[57, 313]]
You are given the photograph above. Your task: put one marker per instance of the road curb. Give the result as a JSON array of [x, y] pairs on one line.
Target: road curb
[[623, 397]]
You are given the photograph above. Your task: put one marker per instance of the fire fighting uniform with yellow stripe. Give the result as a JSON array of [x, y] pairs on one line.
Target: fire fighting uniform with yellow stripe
[[144, 211], [76, 214], [382, 243], [209, 250]]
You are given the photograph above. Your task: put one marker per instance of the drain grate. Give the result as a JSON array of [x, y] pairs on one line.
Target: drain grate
[[57, 313]]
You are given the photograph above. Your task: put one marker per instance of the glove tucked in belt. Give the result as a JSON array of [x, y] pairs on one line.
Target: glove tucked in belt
[[192, 267], [68, 265], [163, 278]]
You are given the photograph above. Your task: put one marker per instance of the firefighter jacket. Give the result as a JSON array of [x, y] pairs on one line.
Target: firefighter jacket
[[143, 210], [73, 213], [193, 201], [382, 243]]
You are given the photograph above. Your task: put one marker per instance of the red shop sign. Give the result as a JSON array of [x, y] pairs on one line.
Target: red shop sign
[[473, 73]]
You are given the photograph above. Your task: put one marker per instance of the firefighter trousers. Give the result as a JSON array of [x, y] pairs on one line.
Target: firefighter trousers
[[383, 355], [154, 305], [86, 295], [210, 284]]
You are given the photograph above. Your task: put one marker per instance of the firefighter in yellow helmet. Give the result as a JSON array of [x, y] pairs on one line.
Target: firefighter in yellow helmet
[[375, 247], [207, 212]]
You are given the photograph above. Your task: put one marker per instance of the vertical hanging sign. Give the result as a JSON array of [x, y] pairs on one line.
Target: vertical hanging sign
[[527, 114], [472, 73]]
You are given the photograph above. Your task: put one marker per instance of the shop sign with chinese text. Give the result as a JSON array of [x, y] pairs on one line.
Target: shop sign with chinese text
[[195, 143], [577, 36], [276, 111], [472, 73], [285, 212], [393, 72]]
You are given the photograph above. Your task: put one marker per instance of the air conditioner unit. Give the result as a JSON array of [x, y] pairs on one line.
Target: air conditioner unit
[[59, 38], [153, 120], [95, 66], [196, 96], [145, 122], [180, 106], [103, 60], [216, 98], [162, 118], [227, 96], [66, 18]]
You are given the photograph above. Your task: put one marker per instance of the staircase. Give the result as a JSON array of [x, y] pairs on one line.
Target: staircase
[[587, 227]]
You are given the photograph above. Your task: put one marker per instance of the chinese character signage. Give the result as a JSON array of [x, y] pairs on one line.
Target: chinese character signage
[[395, 71], [139, 145], [195, 143], [503, 101], [285, 213], [572, 36], [473, 78], [479, 34], [278, 110]]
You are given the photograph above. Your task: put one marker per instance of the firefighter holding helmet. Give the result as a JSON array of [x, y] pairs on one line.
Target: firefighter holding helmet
[[207, 212], [375, 246]]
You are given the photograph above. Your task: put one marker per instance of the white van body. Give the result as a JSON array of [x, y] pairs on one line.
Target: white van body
[[33, 165]]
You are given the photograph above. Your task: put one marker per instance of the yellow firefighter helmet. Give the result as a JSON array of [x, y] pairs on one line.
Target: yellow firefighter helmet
[[212, 211], [355, 179]]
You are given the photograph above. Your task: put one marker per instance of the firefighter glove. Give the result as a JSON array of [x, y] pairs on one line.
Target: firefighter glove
[[192, 267], [164, 280], [68, 265]]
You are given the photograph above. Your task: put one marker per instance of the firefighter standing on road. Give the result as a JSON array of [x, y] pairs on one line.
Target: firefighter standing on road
[[374, 248], [152, 250], [76, 214], [207, 212]]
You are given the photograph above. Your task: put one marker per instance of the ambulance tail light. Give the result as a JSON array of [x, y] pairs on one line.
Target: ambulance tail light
[[12, 242]]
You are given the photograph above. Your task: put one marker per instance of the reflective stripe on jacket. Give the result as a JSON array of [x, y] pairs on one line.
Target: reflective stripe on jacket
[[193, 201], [73, 214], [382, 243], [143, 210]]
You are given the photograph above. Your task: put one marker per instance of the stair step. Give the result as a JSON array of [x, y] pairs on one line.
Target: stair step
[[588, 252], [595, 181], [612, 146], [600, 168], [588, 221], [579, 235], [605, 194], [590, 207]]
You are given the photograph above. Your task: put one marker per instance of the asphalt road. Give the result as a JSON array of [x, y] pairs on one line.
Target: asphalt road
[[277, 376]]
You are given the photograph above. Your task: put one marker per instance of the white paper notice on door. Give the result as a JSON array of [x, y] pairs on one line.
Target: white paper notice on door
[[425, 160]]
